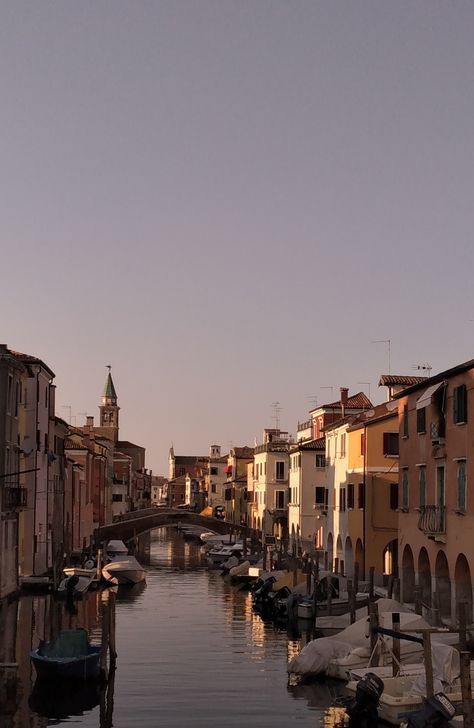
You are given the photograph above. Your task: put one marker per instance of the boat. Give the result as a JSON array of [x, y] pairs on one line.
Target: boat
[[75, 585], [70, 655], [217, 555], [122, 568]]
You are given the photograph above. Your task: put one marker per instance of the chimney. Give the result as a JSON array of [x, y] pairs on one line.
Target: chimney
[[344, 391], [89, 421]]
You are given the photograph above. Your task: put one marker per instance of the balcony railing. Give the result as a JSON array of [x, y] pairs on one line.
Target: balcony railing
[[432, 520], [15, 497]]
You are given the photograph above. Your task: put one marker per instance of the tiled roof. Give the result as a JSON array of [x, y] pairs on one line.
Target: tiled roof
[[243, 452], [319, 444], [127, 445], [379, 412], [357, 401], [28, 359], [391, 380], [189, 459]]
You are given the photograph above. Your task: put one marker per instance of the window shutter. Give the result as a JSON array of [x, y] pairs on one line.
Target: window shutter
[[361, 496], [350, 495], [386, 443], [394, 496]]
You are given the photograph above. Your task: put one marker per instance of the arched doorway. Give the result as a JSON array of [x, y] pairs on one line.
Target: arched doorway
[[390, 558], [462, 580], [349, 558], [408, 575], [443, 584], [330, 551], [424, 576]]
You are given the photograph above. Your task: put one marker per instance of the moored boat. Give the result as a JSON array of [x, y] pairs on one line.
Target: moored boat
[[122, 568], [70, 656]]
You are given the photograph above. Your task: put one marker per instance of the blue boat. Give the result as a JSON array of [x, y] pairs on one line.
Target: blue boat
[[69, 656]]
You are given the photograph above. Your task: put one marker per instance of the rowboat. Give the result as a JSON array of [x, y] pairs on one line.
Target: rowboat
[[70, 655]]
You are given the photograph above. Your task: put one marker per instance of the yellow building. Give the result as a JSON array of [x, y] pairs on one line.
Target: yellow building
[[372, 488]]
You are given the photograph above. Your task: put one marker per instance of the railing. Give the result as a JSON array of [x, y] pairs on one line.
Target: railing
[[432, 520], [14, 498], [304, 425]]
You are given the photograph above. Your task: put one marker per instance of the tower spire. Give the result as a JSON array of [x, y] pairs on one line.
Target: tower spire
[[109, 409]]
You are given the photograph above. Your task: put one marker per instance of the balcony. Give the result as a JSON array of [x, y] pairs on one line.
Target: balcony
[[432, 521], [14, 497]]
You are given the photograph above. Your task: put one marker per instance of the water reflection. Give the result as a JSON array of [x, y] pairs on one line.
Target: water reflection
[[191, 650], [62, 699]]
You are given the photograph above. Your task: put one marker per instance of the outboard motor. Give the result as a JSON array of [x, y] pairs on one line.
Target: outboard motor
[[436, 712], [362, 711]]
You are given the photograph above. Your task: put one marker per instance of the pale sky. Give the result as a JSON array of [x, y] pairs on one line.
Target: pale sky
[[229, 201]]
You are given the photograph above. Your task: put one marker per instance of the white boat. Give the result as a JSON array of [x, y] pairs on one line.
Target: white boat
[[122, 568], [214, 538], [217, 556]]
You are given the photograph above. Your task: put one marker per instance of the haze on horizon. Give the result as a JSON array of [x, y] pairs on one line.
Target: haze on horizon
[[228, 202]]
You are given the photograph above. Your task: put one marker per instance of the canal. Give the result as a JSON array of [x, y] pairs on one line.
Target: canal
[[191, 652]]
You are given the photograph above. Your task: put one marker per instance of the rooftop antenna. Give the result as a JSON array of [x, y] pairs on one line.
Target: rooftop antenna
[[384, 341], [424, 367], [276, 414], [365, 384], [313, 400], [69, 408], [331, 388], [84, 414]]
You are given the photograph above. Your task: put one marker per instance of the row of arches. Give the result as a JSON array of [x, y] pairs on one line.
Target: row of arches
[[438, 580], [346, 554]]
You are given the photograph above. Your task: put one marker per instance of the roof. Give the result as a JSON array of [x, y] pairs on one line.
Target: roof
[[393, 380], [375, 414], [319, 444], [120, 444], [29, 359], [189, 459], [446, 374], [242, 452], [109, 389], [357, 401]]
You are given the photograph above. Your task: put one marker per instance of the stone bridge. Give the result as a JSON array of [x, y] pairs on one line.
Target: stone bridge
[[135, 523]]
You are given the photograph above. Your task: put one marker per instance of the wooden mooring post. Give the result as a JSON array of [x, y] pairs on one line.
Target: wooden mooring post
[[352, 601], [428, 659], [315, 588], [373, 624], [396, 644]]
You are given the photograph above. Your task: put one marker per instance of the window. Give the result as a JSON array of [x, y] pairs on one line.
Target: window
[[17, 398], [343, 445], [279, 499], [361, 496], [213, 488], [342, 499], [350, 495], [320, 495], [462, 485], [117, 497], [390, 444], [405, 421], [393, 496], [214, 470], [320, 461], [421, 420], [405, 490], [9, 393], [422, 485], [280, 470], [460, 405]]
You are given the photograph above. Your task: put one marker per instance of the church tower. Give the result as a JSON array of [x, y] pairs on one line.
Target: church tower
[[109, 409]]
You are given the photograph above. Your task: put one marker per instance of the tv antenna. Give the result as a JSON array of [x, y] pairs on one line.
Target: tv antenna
[[313, 400], [424, 367], [365, 384], [69, 408], [389, 343], [331, 388], [276, 407]]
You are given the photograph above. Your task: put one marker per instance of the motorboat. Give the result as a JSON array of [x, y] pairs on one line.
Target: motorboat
[[121, 568], [217, 555], [70, 656], [75, 585]]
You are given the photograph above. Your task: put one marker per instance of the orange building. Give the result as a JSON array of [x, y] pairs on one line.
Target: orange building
[[436, 514]]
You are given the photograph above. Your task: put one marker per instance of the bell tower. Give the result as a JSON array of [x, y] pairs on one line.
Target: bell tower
[[109, 409]]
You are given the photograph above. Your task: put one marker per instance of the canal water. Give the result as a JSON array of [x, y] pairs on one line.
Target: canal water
[[191, 652]]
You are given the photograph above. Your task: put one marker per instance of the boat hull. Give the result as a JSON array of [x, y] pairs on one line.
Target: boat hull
[[124, 572], [70, 668]]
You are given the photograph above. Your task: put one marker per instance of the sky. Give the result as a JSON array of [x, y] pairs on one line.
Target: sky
[[229, 201]]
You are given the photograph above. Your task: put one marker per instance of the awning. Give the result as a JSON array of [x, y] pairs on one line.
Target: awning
[[427, 396]]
